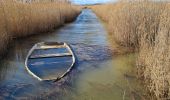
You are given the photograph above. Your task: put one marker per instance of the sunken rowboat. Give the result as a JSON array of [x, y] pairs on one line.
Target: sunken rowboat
[[50, 60]]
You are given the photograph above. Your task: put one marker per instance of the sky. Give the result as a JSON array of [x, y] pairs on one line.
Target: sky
[[91, 1]]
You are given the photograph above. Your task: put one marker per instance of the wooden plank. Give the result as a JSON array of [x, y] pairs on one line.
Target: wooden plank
[[53, 43], [51, 47], [50, 55]]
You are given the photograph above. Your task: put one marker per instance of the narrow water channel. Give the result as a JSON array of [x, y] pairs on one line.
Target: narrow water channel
[[97, 75]]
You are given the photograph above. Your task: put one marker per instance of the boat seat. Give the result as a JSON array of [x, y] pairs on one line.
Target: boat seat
[[49, 55], [50, 47]]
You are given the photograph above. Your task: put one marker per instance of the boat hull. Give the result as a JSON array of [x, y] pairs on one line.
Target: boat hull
[[49, 60]]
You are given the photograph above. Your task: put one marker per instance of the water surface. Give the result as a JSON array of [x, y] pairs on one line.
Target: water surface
[[97, 75]]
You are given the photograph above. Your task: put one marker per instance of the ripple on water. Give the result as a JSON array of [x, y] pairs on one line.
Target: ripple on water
[[86, 52]]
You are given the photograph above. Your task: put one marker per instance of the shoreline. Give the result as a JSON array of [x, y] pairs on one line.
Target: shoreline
[[144, 27], [23, 20]]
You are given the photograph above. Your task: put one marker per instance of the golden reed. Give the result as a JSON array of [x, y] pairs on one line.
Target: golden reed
[[19, 19], [143, 26]]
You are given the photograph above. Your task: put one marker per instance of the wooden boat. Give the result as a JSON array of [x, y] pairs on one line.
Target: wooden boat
[[49, 60]]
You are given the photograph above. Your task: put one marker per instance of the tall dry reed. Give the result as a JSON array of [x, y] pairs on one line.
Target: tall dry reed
[[143, 26], [19, 20], [154, 59]]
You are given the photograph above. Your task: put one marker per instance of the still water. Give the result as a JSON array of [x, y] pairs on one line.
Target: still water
[[97, 75]]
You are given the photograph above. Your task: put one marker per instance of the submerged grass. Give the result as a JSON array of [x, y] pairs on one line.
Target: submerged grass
[[143, 27], [22, 19]]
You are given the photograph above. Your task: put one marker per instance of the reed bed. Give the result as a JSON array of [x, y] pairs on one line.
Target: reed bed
[[143, 26], [20, 20]]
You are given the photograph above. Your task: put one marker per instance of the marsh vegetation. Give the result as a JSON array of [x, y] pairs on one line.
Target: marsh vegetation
[[143, 27], [23, 19]]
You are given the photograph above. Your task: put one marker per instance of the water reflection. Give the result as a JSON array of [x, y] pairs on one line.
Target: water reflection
[[97, 75]]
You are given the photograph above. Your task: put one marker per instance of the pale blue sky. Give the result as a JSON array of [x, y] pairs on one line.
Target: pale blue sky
[[91, 1]]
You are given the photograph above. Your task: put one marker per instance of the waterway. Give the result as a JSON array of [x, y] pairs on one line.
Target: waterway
[[99, 74]]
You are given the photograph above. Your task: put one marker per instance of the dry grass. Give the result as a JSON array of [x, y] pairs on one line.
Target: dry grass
[[18, 20], [144, 27], [154, 58]]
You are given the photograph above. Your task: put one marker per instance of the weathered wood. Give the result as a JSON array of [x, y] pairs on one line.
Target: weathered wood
[[50, 55], [50, 47]]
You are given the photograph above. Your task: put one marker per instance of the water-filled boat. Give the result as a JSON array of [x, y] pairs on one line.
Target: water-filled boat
[[50, 60]]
